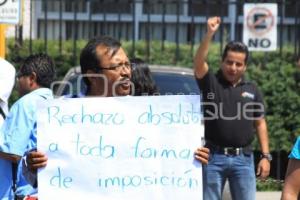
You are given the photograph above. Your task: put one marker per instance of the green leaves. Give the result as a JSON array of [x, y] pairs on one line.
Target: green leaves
[[276, 79]]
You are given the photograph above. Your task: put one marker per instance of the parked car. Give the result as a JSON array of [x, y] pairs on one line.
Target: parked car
[[169, 80]]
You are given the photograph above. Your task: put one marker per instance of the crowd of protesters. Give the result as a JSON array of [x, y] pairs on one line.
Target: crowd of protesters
[[226, 156]]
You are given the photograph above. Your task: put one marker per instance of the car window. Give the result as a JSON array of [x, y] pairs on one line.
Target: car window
[[175, 84]]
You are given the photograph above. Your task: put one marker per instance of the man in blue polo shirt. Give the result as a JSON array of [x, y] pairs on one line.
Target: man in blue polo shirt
[[233, 107], [18, 133]]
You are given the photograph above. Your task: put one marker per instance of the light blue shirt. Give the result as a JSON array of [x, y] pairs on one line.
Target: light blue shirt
[[18, 135], [295, 153], [30, 176]]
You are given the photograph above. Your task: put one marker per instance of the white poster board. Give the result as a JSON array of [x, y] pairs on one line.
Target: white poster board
[[10, 11], [260, 26], [117, 148]]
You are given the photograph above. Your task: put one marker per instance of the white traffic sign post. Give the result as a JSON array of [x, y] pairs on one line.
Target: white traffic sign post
[[260, 26], [10, 11]]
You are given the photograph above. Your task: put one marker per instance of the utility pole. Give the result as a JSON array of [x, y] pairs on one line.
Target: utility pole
[[2, 40]]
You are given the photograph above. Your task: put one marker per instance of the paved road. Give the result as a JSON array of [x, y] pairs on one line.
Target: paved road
[[259, 195], [268, 195]]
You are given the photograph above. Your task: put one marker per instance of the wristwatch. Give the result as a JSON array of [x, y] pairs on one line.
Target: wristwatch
[[267, 156]]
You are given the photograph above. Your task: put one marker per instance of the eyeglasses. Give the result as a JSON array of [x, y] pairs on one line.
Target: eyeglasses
[[117, 67]]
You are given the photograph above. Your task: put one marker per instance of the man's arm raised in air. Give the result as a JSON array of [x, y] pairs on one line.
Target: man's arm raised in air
[[200, 65]]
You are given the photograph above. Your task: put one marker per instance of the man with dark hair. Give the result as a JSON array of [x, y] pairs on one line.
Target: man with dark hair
[[236, 47], [18, 133], [106, 67], [107, 72], [232, 108]]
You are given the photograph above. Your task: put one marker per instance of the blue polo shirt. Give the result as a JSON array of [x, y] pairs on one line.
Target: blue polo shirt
[[18, 135], [295, 153]]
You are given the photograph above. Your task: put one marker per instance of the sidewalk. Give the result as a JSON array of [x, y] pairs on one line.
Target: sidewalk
[[259, 196], [268, 195]]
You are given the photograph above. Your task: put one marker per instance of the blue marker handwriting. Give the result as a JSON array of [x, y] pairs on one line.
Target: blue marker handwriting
[[181, 115], [56, 115]]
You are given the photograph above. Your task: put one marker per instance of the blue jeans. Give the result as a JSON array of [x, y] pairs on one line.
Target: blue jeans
[[239, 170]]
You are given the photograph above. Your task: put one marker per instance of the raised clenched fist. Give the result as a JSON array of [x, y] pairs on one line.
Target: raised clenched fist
[[213, 24]]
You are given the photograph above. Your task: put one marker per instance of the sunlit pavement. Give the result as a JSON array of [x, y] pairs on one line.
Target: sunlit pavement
[[268, 195], [260, 196]]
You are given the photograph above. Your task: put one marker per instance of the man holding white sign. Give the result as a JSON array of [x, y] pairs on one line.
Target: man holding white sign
[[107, 72]]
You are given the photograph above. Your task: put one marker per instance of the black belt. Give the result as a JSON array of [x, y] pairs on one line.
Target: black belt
[[234, 151]]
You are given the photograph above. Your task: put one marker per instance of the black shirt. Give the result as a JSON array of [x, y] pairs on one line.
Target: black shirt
[[229, 111]]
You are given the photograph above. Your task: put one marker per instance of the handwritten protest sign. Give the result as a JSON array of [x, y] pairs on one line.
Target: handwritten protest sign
[[117, 148]]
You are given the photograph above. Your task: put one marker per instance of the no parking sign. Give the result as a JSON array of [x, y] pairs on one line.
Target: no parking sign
[[260, 26]]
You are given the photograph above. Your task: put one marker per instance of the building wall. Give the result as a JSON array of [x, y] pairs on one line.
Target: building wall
[[151, 20], [25, 21]]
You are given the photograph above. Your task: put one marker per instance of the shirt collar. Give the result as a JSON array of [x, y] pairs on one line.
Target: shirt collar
[[45, 91], [222, 79]]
